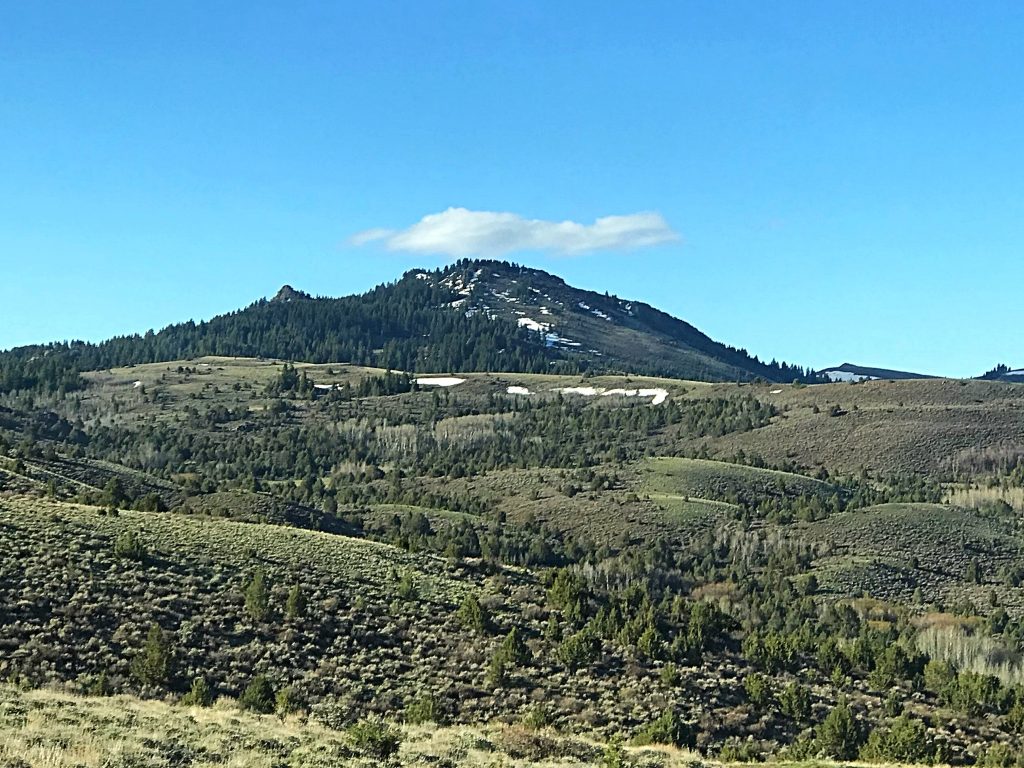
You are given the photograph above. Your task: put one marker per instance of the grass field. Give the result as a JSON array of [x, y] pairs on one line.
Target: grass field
[[48, 729]]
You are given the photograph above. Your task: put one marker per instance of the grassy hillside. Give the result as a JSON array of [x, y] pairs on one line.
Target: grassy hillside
[[46, 729], [920, 426], [721, 481], [655, 560]]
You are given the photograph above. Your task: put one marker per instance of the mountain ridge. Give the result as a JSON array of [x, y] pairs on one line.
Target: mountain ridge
[[426, 321]]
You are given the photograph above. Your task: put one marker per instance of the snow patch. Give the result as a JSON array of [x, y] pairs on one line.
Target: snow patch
[[1018, 372], [775, 392], [137, 384], [551, 339], [519, 391], [835, 376], [439, 381], [658, 396], [533, 325], [585, 391]]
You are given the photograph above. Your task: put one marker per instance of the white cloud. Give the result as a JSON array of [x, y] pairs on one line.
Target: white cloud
[[459, 232]]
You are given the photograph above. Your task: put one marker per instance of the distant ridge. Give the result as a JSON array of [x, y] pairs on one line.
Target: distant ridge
[[851, 372]]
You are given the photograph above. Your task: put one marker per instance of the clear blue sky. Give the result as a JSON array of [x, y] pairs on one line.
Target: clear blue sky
[[846, 179]]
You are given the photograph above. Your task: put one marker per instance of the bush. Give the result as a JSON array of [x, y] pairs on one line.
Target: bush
[[758, 688], [1001, 756], [128, 546], [472, 615], [839, 735], [259, 696], [152, 665], [537, 718], [905, 741], [667, 729], [579, 650], [424, 709], [257, 597], [614, 755], [287, 701], [373, 737], [795, 702], [200, 695], [407, 589], [295, 608]]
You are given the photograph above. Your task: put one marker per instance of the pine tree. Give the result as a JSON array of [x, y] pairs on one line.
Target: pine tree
[[257, 597], [152, 666]]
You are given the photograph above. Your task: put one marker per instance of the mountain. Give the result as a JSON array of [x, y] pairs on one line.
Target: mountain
[[473, 315], [597, 331], [851, 372]]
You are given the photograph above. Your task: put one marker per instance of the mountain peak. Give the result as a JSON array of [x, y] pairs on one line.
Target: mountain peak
[[287, 293]]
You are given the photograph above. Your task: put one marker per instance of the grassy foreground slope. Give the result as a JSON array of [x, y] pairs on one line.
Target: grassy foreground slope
[[48, 729]]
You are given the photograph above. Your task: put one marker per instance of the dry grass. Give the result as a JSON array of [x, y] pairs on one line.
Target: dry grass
[[49, 729]]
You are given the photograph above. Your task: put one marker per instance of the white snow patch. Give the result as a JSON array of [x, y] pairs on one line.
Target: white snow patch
[[545, 311], [775, 392], [137, 384], [1018, 372], [834, 376], [533, 325], [585, 391], [583, 305], [439, 381], [551, 339], [658, 396], [519, 391], [422, 276]]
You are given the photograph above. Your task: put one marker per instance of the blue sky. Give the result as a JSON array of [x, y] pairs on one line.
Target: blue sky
[[839, 180]]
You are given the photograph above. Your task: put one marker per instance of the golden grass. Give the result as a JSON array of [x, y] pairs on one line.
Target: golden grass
[[51, 729]]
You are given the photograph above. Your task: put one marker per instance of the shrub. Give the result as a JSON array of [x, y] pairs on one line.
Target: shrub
[[1001, 756], [579, 650], [795, 702], [287, 701], [905, 741], [839, 735], [667, 729], [537, 718], [407, 589], [128, 546], [758, 689], [200, 695], [152, 665], [258, 696], [515, 649], [614, 755], [295, 608], [472, 615], [373, 737], [257, 597], [425, 708]]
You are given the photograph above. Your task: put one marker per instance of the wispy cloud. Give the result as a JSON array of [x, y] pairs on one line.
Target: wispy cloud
[[459, 232]]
